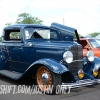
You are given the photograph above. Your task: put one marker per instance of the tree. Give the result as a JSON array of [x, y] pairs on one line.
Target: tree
[[8, 23], [0, 39], [94, 34], [25, 18]]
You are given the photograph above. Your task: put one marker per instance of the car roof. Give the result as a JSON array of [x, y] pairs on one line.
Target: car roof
[[25, 25]]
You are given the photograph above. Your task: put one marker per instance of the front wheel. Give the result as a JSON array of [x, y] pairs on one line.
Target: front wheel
[[47, 80]]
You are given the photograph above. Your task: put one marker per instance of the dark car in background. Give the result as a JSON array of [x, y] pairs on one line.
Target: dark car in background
[[49, 54]]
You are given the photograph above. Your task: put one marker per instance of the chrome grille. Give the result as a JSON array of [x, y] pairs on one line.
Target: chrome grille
[[77, 59]]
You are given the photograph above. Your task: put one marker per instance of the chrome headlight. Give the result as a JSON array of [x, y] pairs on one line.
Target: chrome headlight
[[90, 56], [68, 56]]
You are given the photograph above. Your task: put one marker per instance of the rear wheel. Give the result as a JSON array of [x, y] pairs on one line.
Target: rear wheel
[[46, 79]]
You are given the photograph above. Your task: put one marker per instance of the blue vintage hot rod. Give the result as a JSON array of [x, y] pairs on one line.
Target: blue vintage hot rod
[[49, 54]]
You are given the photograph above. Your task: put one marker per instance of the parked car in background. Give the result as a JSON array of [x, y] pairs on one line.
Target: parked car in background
[[90, 44], [49, 54]]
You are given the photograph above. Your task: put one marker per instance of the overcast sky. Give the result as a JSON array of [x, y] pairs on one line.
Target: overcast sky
[[84, 15]]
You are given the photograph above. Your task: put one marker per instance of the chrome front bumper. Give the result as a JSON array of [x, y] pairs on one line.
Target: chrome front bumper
[[80, 83]]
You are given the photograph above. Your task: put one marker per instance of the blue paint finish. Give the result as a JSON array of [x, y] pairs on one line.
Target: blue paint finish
[[52, 64], [89, 66], [2, 60], [62, 27], [88, 76], [1, 64], [97, 62], [65, 29], [23, 58]]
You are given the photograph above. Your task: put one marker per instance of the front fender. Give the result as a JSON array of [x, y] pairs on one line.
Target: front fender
[[53, 65], [89, 66]]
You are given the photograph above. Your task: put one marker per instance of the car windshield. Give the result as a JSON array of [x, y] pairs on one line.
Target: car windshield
[[50, 34], [37, 33], [95, 43]]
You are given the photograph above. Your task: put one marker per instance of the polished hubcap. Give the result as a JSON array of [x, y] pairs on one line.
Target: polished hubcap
[[45, 78]]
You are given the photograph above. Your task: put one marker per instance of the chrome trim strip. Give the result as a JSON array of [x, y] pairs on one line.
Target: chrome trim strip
[[77, 60], [18, 61], [80, 83]]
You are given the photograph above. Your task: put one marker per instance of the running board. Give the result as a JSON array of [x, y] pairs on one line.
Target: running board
[[11, 74]]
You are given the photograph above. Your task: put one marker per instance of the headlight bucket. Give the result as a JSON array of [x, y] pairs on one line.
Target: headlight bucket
[[80, 74], [90, 56], [68, 56]]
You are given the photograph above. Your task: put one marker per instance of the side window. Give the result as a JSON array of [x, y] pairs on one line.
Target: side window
[[12, 35], [53, 35], [15, 35]]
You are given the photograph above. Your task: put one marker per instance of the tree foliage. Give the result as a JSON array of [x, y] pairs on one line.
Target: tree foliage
[[94, 34], [8, 23], [0, 39], [25, 18]]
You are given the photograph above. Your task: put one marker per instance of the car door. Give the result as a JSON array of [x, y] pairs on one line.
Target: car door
[[14, 52]]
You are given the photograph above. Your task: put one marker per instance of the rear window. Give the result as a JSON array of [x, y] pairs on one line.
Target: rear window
[[12, 35]]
